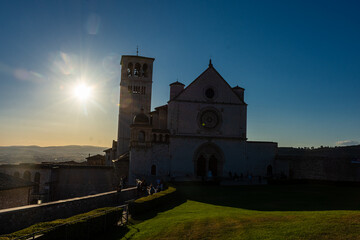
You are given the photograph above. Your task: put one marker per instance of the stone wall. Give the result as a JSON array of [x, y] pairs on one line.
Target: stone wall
[[145, 158], [14, 219], [65, 181], [183, 119], [33, 169], [318, 168], [14, 197], [69, 182], [260, 155]]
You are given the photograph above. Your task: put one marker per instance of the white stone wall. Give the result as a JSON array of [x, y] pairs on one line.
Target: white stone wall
[[196, 90], [141, 160], [239, 156], [185, 110], [260, 155], [162, 118], [187, 135], [183, 119], [183, 151], [159, 118]]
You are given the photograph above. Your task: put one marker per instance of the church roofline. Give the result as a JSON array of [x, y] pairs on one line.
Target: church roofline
[[135, 56], [210, 67], [163, 106], [237, 87], [216, 103], [176, 83]]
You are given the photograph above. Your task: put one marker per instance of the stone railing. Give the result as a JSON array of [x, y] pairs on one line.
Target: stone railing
[[14, 219]]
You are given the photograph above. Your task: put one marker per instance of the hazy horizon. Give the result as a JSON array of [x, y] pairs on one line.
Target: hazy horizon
[[54, 146]]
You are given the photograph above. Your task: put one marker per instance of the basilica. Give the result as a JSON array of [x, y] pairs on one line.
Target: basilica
[[200, 131]]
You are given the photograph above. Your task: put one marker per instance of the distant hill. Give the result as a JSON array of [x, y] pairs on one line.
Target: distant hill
[[36, 154]]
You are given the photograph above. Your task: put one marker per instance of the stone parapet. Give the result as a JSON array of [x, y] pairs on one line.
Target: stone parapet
[[14, 219]]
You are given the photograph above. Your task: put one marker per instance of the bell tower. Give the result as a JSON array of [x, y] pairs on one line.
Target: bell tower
[[135, 94]]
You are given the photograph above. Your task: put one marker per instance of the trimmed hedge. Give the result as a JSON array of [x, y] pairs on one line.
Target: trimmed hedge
[[152, 202], [81, 226]]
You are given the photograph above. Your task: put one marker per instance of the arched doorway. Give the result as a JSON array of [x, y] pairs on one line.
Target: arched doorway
[[201, 166], [213, 165], [208, 157]]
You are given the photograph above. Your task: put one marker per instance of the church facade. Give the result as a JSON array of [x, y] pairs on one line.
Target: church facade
[[201, 131]]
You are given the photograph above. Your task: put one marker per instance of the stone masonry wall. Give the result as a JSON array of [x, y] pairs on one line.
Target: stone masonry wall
[[14, 197], [318, 168], [14, 219]]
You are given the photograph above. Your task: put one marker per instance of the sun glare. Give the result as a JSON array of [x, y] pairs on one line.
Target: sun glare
[[82, 91]]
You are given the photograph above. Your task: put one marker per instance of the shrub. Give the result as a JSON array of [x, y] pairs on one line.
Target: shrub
[[81, 226], [151, 202]]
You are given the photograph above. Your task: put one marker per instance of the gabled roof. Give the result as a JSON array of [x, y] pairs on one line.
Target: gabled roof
[[211, 67], [107, 150]]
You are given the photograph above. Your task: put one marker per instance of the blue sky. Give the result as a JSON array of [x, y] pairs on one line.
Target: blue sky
[[297, 60]]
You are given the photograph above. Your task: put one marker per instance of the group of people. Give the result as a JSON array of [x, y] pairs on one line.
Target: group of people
[[249, 177], [149, 189], [122, 184]]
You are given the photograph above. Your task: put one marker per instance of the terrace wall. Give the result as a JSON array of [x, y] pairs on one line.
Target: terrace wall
[[14, 219]]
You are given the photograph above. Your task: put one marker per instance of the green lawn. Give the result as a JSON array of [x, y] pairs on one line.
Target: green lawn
[[253, 212]]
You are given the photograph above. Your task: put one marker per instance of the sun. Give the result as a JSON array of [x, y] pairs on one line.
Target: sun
[[82, 91]]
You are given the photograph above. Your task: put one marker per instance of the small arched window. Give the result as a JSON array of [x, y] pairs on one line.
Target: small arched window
[[27, 175], [145, 69], [153, 170], [141, 137], [16, 174], [137, 70], [167, 138], [154, 137], [130, 69], [160, 138]]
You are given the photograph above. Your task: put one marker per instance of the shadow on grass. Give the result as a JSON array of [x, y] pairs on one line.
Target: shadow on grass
[[120, 232], [294, 197], [152, 213]]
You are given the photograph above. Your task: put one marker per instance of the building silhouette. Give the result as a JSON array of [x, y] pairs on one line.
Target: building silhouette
[[200, 132]]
